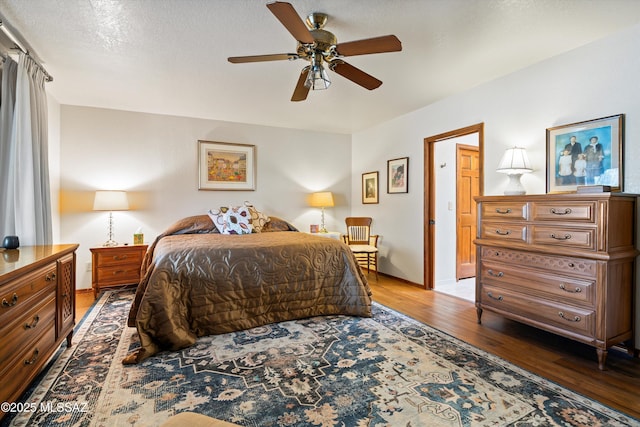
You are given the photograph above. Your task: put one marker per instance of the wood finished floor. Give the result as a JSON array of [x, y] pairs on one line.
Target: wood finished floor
[[563, 361]]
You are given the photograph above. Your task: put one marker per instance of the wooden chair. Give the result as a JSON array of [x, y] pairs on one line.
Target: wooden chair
[[362, 243]]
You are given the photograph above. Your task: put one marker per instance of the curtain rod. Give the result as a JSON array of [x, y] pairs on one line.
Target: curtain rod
[[19, 45]]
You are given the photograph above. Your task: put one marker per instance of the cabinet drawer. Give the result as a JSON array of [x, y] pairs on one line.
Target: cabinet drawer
[[548, 285], [569, 318], [511, 210], [120, 274], [503, 231], [579, 238], [561, 264], [564, 211], [25, 330], [27, 364], [121, 257], [13, 298]]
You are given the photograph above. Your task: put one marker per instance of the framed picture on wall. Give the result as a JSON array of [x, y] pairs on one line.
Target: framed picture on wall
[[226, 166], [370, 187], [586, 153], [398, 175]]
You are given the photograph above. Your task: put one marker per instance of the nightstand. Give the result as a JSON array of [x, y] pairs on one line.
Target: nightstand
[[330, 234], [115, 266]]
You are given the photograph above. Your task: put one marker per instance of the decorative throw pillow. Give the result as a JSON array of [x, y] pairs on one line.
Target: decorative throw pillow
[[237, 220], [232, 220], [258, 219]]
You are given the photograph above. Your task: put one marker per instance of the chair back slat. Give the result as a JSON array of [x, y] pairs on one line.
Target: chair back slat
[[358, 230]]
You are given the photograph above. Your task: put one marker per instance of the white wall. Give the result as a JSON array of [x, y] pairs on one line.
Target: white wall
[[154, 158], [597, 80], [53, 117]]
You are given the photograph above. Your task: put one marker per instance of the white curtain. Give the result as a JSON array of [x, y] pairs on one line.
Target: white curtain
[[25, 199]]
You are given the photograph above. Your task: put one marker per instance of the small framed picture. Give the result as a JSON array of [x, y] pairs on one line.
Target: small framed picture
[[226, 166], [398, 175], [314, 228], [586, 153], [370, 187]]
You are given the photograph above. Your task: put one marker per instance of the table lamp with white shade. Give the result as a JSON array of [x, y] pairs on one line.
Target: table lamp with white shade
[[514, 163], [111, 201], [322, 199]]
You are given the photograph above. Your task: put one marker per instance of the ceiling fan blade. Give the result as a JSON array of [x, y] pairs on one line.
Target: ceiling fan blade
[[301, 91], [354, 74], [288, 16], [262, 58], [366, 46]]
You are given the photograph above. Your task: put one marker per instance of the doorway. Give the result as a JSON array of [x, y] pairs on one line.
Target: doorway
[[438, 228]]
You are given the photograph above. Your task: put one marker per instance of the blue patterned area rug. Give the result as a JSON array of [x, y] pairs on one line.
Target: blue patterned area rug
[[389, 370]]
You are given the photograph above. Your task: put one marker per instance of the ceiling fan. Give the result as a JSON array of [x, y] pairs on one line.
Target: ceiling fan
[[319, 46]]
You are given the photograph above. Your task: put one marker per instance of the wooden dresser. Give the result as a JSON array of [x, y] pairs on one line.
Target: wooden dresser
[[560, 262], [116, 266], [37, 311]]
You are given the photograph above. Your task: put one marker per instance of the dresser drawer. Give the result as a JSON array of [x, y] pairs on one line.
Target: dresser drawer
[[561, 264], [503, 231], [119, 257], [582, 211], [572, 319], [26, 364], [511, 210], [119, 274], [13, 297], [27, 329], [578, 238], [539, 282]]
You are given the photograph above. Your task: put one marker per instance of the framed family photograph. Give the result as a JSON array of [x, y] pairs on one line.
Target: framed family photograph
[[370, 187], [398, 175], [586, 153], [226, 166]]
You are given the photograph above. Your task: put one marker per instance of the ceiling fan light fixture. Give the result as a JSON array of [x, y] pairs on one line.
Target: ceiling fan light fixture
[[317, 79]]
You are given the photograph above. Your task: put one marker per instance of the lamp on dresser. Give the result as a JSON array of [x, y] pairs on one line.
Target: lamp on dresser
[[322, 199], [514, 163], [110, 201]]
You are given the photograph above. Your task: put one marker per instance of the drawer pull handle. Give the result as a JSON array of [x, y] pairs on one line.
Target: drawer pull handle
[[31, 361], [565, 237], [120, 257], [498, 298], [50, 277], [575, 318], [567, 211], [14, 301], [503, 211], [119, 272], [503, 233], [577, 290], [498, 274], [33, 324]]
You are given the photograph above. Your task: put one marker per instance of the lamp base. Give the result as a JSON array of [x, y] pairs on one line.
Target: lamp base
[[514, 188], [110, 243]]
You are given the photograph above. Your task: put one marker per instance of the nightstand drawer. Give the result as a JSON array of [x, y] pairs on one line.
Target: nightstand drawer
[[119, 258], [118, 275]]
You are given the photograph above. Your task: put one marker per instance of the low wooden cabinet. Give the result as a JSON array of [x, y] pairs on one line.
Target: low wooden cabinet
[[116, 266], [560, 262], [37, 311]]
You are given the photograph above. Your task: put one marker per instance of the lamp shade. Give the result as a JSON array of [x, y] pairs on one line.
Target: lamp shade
[[111, 201], [322, 199], [514, 161]]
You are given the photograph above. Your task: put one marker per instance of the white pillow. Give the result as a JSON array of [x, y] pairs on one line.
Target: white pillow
[[258, 219], [232, 220]]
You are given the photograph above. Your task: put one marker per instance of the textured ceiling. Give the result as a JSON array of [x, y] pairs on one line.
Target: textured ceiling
[[169, 56]]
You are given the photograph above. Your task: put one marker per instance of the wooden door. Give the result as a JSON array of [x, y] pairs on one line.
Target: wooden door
[[467, 187]]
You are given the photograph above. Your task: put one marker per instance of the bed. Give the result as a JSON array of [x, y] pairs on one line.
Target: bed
[[197, 281]]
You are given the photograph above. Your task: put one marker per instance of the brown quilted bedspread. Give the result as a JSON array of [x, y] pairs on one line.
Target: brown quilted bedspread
[[201, 284]]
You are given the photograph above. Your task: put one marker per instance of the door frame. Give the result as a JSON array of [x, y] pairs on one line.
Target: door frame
[[429, 213]]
